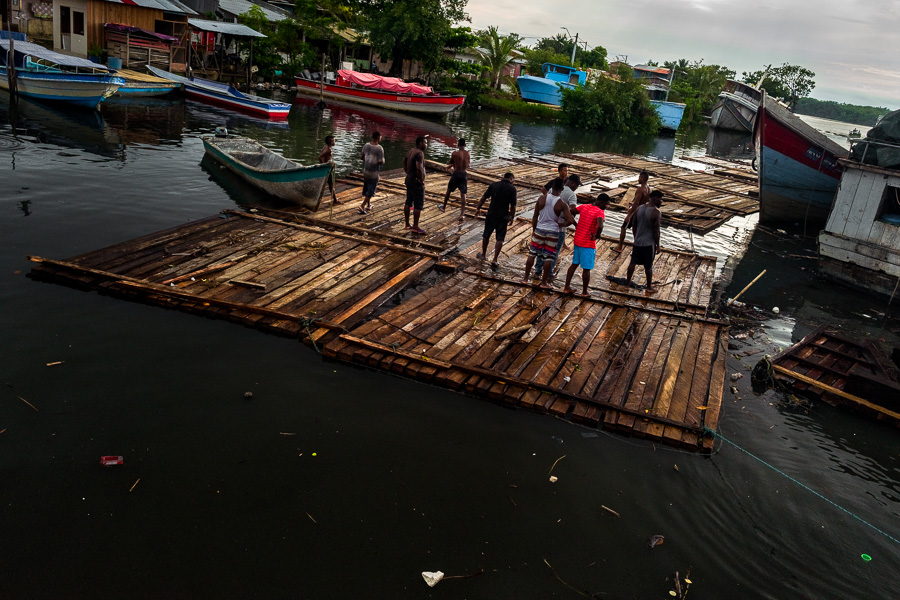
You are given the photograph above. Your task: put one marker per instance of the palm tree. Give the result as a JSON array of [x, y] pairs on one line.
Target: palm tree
[[497, 52]]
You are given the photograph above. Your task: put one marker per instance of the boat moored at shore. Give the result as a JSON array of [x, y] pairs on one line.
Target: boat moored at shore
[[384, 92], [46, 75], [222, 94], [736, 108], [798, 167], [548, 89]]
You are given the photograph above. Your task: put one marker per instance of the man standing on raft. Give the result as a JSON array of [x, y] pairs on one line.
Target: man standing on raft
[[459, 180]]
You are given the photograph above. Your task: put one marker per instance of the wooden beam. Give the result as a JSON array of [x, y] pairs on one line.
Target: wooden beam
[[836, 391], [355, 238], [512, 379]]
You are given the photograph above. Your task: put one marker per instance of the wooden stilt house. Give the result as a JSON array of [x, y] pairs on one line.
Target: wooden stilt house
[[79, 25]]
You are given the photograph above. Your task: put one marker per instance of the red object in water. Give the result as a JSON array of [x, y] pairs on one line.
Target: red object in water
[[108, 461]]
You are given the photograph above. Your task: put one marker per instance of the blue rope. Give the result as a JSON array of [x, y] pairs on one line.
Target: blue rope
[[801, 484]]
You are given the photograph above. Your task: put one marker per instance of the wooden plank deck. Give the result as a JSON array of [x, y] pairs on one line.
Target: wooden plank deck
[[648, 364]]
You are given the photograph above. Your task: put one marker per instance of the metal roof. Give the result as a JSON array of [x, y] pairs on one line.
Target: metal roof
[[165, 5], [239, 7], [227, 28], [36, 51]]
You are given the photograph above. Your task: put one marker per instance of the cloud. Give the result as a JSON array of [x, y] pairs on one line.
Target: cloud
[[845, 42]]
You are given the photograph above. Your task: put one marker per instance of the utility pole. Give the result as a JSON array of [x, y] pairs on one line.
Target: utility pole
[[11, 57], [575, 47]]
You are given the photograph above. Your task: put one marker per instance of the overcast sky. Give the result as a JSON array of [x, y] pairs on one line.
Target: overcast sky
[[849, 44]]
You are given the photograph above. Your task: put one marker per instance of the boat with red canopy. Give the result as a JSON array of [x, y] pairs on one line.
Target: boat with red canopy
[[376, 90]]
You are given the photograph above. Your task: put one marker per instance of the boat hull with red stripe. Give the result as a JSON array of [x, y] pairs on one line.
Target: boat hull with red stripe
[[798, 167], [417, 103]]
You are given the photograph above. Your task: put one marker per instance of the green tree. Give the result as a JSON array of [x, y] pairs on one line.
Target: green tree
[[535, 58], [265, 52], [798, 82], [610, 105], [697, 85], [498, 52], [788, 82], [410, 29]]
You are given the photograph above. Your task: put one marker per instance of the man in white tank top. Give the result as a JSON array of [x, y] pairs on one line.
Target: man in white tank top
[[550, 213]]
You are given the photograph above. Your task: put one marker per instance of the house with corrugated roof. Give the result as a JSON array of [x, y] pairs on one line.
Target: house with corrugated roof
[[79, 25]]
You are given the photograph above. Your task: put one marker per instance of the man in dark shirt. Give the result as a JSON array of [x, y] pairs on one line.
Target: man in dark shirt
[[563, 170], [501, 213]]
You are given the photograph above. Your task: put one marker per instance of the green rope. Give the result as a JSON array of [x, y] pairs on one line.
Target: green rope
[[801, 484]]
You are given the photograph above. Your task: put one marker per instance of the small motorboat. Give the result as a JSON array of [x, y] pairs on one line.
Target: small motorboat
[[222, 94], [854, 133], [269, 171]]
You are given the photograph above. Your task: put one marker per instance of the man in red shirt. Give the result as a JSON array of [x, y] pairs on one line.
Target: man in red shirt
[[587, 230]]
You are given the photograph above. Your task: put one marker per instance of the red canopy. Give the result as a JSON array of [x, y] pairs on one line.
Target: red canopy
[[390, 84]]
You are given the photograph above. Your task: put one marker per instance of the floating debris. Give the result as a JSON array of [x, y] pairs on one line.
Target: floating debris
[[655, 540]]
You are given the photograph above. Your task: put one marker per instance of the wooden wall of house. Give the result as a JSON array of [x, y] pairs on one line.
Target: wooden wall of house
[[100, 13], [856, 205]]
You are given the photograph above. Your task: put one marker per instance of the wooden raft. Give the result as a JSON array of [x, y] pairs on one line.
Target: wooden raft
[[826, 366], [696, 200], [651, 373], [352, 285], [258, 271]]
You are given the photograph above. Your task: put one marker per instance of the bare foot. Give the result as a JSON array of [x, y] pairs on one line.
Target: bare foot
[[584, 294], [419, 231], [442, 207], [461, 218], [568, 290], [617, 249]]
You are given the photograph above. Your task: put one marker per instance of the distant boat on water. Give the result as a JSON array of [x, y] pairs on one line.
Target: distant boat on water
[[798, 167], [854, 133], [46, 75], [548, 89], [222, 94], [736, 108]]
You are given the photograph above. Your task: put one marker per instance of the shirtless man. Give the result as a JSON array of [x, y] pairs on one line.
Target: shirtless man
[[640, 198], [460, 178], [414, 167], [325, 157], [373, 161]]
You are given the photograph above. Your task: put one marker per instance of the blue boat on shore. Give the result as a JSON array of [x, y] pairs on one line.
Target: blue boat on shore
[[658, 81], [548, 89]]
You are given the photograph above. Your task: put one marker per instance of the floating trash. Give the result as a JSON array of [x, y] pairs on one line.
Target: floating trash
[[431, 578], [656, 540], [108, 461]]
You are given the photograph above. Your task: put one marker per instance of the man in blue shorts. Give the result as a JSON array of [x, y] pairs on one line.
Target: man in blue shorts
[[587, 232]]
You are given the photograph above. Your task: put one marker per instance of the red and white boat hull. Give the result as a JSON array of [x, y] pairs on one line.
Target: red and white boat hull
[[430, 103]]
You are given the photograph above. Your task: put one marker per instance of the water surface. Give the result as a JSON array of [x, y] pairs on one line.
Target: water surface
[[338, 482]]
